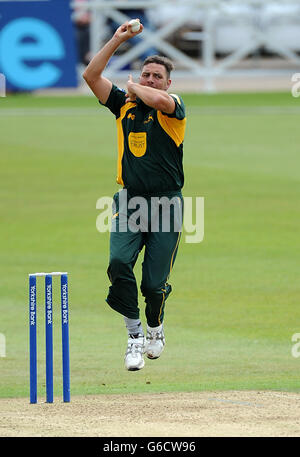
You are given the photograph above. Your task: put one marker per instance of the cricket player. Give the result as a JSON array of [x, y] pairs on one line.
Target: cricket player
[[150, 131]]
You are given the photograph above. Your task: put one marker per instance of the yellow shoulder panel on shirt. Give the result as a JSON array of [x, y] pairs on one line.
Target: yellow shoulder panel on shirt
[[175, 128]]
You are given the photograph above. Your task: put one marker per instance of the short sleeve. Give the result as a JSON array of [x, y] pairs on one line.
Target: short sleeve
[[179, 112], [116, 100]]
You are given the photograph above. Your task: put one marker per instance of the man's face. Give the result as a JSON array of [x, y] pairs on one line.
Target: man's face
[[155, 75]]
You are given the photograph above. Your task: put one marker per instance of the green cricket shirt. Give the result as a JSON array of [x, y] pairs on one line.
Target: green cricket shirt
[[150, 145]]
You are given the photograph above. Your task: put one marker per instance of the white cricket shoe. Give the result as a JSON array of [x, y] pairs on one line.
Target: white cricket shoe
[[134, 359], [155, 341]]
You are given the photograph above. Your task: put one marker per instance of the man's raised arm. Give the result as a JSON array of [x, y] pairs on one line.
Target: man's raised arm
[[93, 73]]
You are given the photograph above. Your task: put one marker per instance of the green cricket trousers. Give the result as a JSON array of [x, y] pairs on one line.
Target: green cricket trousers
[[153, 223]]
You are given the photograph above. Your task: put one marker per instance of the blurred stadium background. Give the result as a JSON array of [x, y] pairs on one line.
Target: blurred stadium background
[[217, 45]]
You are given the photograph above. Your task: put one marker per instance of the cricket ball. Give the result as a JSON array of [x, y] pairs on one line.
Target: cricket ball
[[135, 25]]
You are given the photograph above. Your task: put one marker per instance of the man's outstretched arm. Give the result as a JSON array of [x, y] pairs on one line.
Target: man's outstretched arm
[[93, 73]]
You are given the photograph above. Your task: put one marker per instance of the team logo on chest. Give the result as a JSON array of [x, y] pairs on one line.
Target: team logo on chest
[[137, 142], [150, 118]]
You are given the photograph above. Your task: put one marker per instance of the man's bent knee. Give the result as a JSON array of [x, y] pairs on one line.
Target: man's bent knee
[[152, 290]]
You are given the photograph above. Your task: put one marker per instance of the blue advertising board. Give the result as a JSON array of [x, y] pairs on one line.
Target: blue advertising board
[[37, 44]]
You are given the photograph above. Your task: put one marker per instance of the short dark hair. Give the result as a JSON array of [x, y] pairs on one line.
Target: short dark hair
[[161, 60]]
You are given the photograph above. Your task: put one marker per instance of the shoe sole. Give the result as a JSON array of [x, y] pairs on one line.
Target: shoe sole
[[136, 368], [150, 357]]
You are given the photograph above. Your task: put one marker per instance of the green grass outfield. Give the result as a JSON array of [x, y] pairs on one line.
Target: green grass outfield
[[235, 301]]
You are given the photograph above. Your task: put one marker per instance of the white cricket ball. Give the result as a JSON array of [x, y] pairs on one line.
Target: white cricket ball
[[135, 25]]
